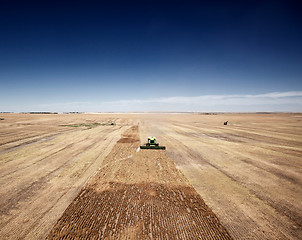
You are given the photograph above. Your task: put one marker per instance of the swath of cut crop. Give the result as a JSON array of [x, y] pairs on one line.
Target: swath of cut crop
[[139, 211], [138, 195]]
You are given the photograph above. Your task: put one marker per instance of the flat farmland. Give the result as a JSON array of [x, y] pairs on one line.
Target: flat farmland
[[83, 176]]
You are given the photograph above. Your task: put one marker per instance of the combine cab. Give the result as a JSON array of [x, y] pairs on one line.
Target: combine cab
[[152, 144]]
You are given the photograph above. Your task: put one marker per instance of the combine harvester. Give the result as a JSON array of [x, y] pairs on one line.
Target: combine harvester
[[152, 144]]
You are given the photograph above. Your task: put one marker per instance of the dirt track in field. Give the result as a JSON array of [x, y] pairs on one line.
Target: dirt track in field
[[138, 194], [249, 173]]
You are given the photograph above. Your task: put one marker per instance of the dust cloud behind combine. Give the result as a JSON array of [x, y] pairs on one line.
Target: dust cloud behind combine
[[240, 181]]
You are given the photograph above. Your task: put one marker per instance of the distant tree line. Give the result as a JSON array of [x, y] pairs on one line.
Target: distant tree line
[[43, 113]]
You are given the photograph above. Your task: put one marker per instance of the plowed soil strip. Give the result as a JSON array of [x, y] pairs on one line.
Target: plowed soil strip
[[138, 195]]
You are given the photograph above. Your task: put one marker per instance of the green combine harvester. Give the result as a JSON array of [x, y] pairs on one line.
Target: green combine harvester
[[152, 144]]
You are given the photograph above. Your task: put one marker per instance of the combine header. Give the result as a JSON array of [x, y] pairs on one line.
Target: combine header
[[152, 144]]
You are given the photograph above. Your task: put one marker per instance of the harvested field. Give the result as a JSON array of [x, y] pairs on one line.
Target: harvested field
[[240, 181], [249, 172], [140, 195], [139, 211], [43, 166]]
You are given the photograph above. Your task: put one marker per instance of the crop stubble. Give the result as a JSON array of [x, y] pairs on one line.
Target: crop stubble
[[138, 195], [39, 179], [248, 172]]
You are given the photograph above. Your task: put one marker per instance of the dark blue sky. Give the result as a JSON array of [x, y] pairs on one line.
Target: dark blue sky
[[90, 55]]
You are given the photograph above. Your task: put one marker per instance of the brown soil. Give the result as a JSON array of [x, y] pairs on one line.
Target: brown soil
[[138, 211], [138, 195]]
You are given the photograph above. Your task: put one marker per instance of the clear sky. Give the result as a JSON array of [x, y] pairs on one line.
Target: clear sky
[[150, 55]]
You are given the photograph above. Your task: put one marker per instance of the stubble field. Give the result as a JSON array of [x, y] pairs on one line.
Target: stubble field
[[83, 176]]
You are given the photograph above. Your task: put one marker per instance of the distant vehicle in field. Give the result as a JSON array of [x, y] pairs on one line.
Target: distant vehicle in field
[[152, 144]]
